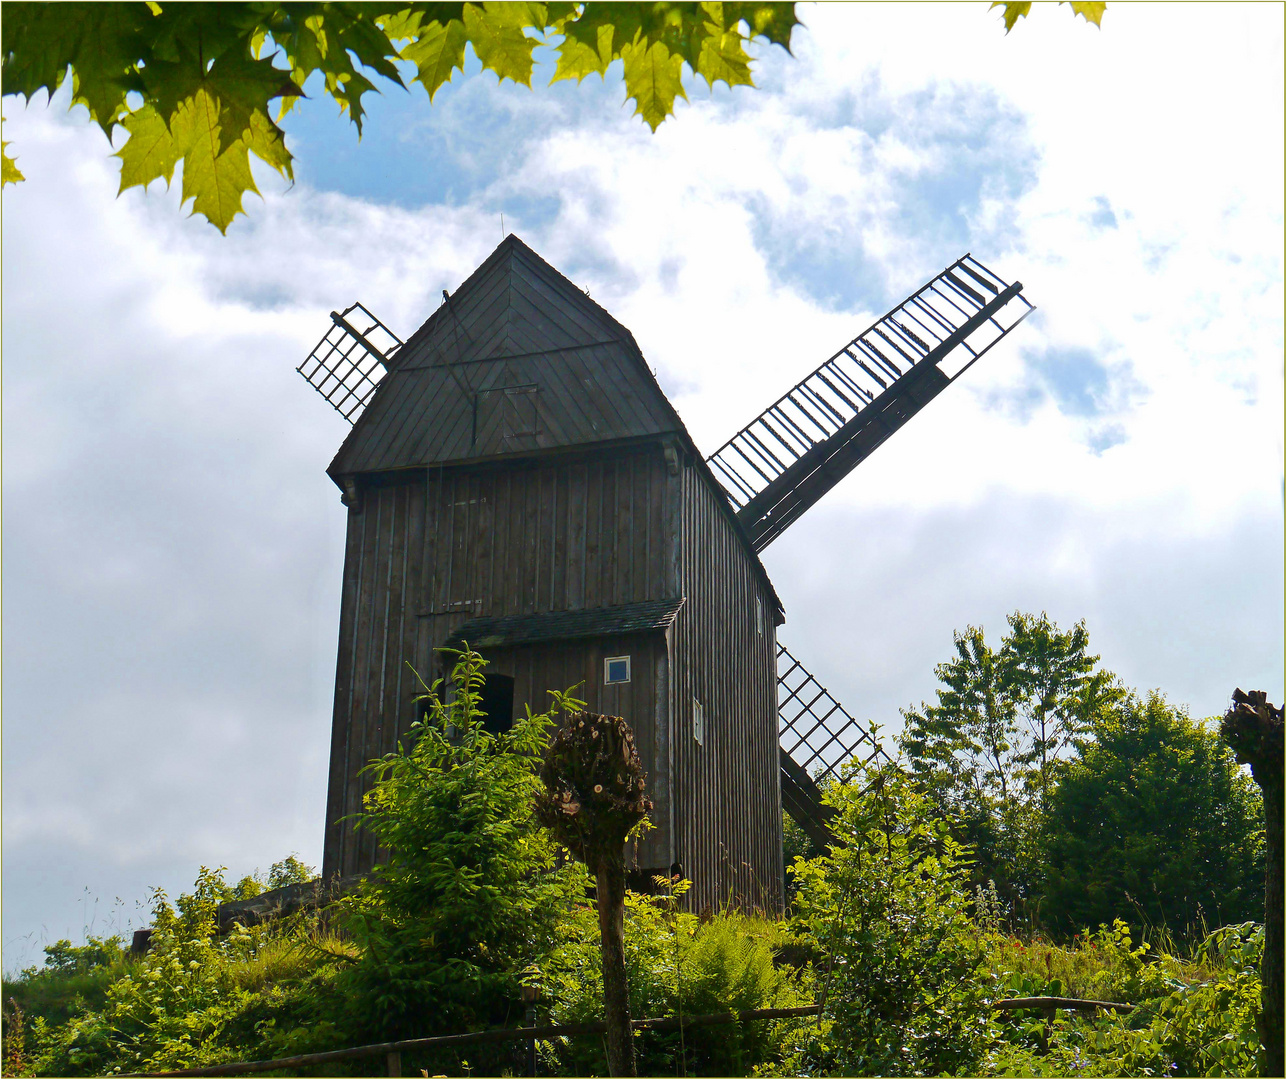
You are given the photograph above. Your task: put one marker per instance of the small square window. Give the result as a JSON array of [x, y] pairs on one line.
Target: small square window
[[616, 669]]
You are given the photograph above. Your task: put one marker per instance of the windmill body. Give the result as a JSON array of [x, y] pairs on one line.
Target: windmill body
[[516, 479]]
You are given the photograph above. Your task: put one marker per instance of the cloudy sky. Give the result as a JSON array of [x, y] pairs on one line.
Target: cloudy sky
[[172, 547]]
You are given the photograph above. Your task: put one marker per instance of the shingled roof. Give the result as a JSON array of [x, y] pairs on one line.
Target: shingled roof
[[514, 323], [551, 626]]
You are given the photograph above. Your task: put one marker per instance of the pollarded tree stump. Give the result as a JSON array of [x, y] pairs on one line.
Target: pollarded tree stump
[[1254, 729], [594, 796]]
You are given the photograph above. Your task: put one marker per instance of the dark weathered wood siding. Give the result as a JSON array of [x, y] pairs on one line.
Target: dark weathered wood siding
[[520, 458], [728, 809], [444, 545], [644, 702]]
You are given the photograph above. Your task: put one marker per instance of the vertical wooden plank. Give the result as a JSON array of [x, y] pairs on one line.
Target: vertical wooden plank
[[341, 715], [593, 596], [559, 542], [578, 501], [531, 537], [657, 536], [502, 524], [663, 799], [412, 589], [544, 548], [364, 683]]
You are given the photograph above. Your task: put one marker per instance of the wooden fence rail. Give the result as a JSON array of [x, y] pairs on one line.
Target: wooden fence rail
[[393, 1050], [437, 1042]]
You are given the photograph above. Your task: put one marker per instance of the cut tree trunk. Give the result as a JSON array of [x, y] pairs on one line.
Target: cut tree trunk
[[610, 880], [1254, 729]]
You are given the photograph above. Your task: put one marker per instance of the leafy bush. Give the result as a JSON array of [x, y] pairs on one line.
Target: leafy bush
[[1193, 1017], [193, 999], [905, 977], [74, 978], [676, 963], [472, 893]]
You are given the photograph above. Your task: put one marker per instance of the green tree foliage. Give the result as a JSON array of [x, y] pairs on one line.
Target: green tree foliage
[[196, 82], [1053, 678], [290, 871], [1152, 812], [472, 893], [905, 973], [987, 751]]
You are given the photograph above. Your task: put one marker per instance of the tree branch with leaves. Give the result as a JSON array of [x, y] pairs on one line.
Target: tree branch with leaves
[[208, 84]]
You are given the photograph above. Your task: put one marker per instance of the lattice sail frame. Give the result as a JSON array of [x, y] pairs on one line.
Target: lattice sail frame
[[348, 363], [817, 731], [805, 442]]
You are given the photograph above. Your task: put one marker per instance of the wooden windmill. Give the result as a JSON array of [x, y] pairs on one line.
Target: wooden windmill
[[517, 480]]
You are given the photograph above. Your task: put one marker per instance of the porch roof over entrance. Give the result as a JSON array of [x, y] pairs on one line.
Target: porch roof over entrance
[[551, 626]]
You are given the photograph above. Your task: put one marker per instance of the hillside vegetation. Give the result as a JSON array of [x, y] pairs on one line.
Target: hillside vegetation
[[1041, 838]]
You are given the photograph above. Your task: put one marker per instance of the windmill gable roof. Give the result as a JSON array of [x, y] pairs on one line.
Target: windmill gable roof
[[517, 360]]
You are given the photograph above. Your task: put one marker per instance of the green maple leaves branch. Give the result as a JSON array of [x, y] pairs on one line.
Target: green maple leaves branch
[[194, 82]]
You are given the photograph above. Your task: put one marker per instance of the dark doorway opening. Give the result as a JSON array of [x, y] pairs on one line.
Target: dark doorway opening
[[497, 703]]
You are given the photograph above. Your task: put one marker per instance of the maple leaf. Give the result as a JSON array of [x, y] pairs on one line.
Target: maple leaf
[[267, 141], [43, 40], [723, 59], [214, 178], [577, 59], [496, 33], [437, 51], [1091, 12], [215, 174], [1013, 12], [773, 21], [149, 153], [9, 171], [652, 80]]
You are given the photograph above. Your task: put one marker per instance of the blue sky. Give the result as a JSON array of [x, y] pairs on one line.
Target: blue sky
[[172, 547]]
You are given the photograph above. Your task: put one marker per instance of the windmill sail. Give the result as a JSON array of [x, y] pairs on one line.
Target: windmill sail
[[348, 363], [808, 440], [816, 737]]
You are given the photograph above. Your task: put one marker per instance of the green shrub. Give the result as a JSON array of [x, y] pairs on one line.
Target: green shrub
[[1193, 1017], [676, 963], [905, 978], [74, 978], [472, 893], [193, 999]]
